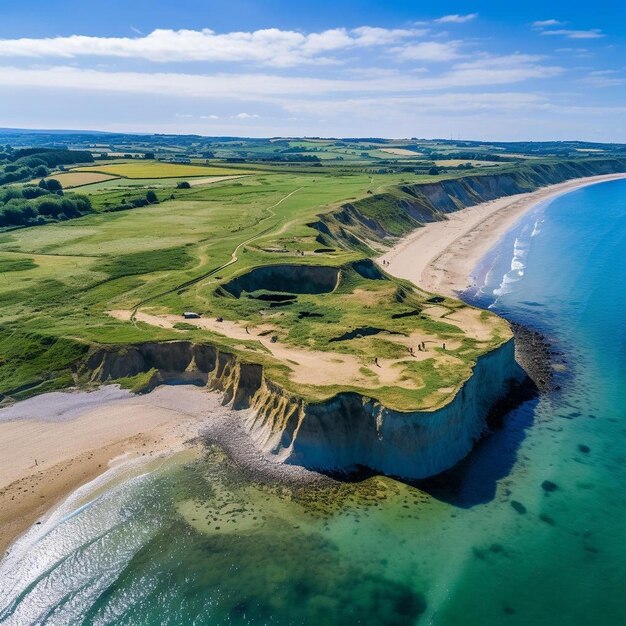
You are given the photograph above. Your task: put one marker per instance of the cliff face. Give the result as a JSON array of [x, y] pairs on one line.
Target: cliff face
[[351, 430], [397, 212], [179, 362], [340, 434]]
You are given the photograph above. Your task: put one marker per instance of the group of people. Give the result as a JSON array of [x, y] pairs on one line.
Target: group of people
[[385, 262], [421, 346]]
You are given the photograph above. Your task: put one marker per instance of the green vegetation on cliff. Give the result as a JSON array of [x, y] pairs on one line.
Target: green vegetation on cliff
[[322, 319]]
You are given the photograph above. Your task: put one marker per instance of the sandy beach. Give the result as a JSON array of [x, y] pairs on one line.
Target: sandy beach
[[440, 256], [54, 443]]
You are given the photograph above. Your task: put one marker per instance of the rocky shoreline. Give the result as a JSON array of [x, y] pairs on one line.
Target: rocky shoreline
[[536, 354]]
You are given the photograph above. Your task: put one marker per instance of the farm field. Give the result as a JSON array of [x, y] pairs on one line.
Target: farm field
[[155, 169], [73, 179], [457, 162], [112, 183], [401, 152]]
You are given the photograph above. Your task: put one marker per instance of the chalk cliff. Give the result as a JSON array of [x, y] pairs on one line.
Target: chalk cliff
[[342, 433]]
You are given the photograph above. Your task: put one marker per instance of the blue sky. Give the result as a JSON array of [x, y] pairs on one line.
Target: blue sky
[[475, 70]]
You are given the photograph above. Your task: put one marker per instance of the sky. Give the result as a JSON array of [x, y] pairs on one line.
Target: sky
[[481, 69]]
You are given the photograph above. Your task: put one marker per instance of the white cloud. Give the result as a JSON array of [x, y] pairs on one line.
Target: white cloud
[[593, 33], [245, 116], [484, 70], [545, 23], [462, 103], [428, 51], [374, 36], [574, 51], [456, 18], [604, 78], [209, 117], [271, 46], [500, 70]]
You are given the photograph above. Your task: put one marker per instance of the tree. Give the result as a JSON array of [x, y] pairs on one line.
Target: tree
[[148, 155], [54, 186], [434, 171], [151, 197], [183, 185]]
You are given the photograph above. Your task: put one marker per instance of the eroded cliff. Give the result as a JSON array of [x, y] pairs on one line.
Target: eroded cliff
[[341, 434], [396, 212]]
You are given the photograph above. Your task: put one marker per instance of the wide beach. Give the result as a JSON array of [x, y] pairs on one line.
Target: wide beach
[[441, 256]]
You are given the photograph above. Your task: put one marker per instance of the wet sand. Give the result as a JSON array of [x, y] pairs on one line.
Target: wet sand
[[52, 444]]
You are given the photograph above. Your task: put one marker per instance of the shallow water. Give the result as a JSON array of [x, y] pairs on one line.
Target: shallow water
[[530, 530]]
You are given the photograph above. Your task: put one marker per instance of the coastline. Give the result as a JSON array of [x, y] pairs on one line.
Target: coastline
[[77, 436], [439, 256]]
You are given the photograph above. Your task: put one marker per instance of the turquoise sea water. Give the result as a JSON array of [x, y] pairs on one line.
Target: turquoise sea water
[[530, 530]]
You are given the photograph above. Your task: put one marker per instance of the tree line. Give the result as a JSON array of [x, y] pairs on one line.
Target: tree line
[[29, 163], [32, 205]]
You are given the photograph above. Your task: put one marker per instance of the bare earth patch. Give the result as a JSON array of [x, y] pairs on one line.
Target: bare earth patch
[[314, 367]]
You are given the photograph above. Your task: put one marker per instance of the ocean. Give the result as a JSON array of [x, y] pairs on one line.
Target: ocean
[[529, 530]]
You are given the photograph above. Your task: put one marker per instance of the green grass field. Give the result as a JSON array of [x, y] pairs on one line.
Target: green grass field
[[123, 275], [156, 169]]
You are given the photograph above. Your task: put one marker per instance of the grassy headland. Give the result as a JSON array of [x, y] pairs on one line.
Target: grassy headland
[[322, 319]]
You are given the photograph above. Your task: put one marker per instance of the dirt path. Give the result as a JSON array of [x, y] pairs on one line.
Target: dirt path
[[312, 367]]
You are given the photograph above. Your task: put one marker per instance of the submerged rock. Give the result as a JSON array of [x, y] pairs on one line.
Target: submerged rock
[[519, 507], [549, 486]]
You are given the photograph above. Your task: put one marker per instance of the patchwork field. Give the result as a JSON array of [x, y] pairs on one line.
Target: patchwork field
[[156, 169]]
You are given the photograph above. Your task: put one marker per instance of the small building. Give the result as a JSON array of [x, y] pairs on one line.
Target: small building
[[190, 315]]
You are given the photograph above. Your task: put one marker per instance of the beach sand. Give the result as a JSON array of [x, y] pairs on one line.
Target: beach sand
[[54, 443], [440, 256]]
